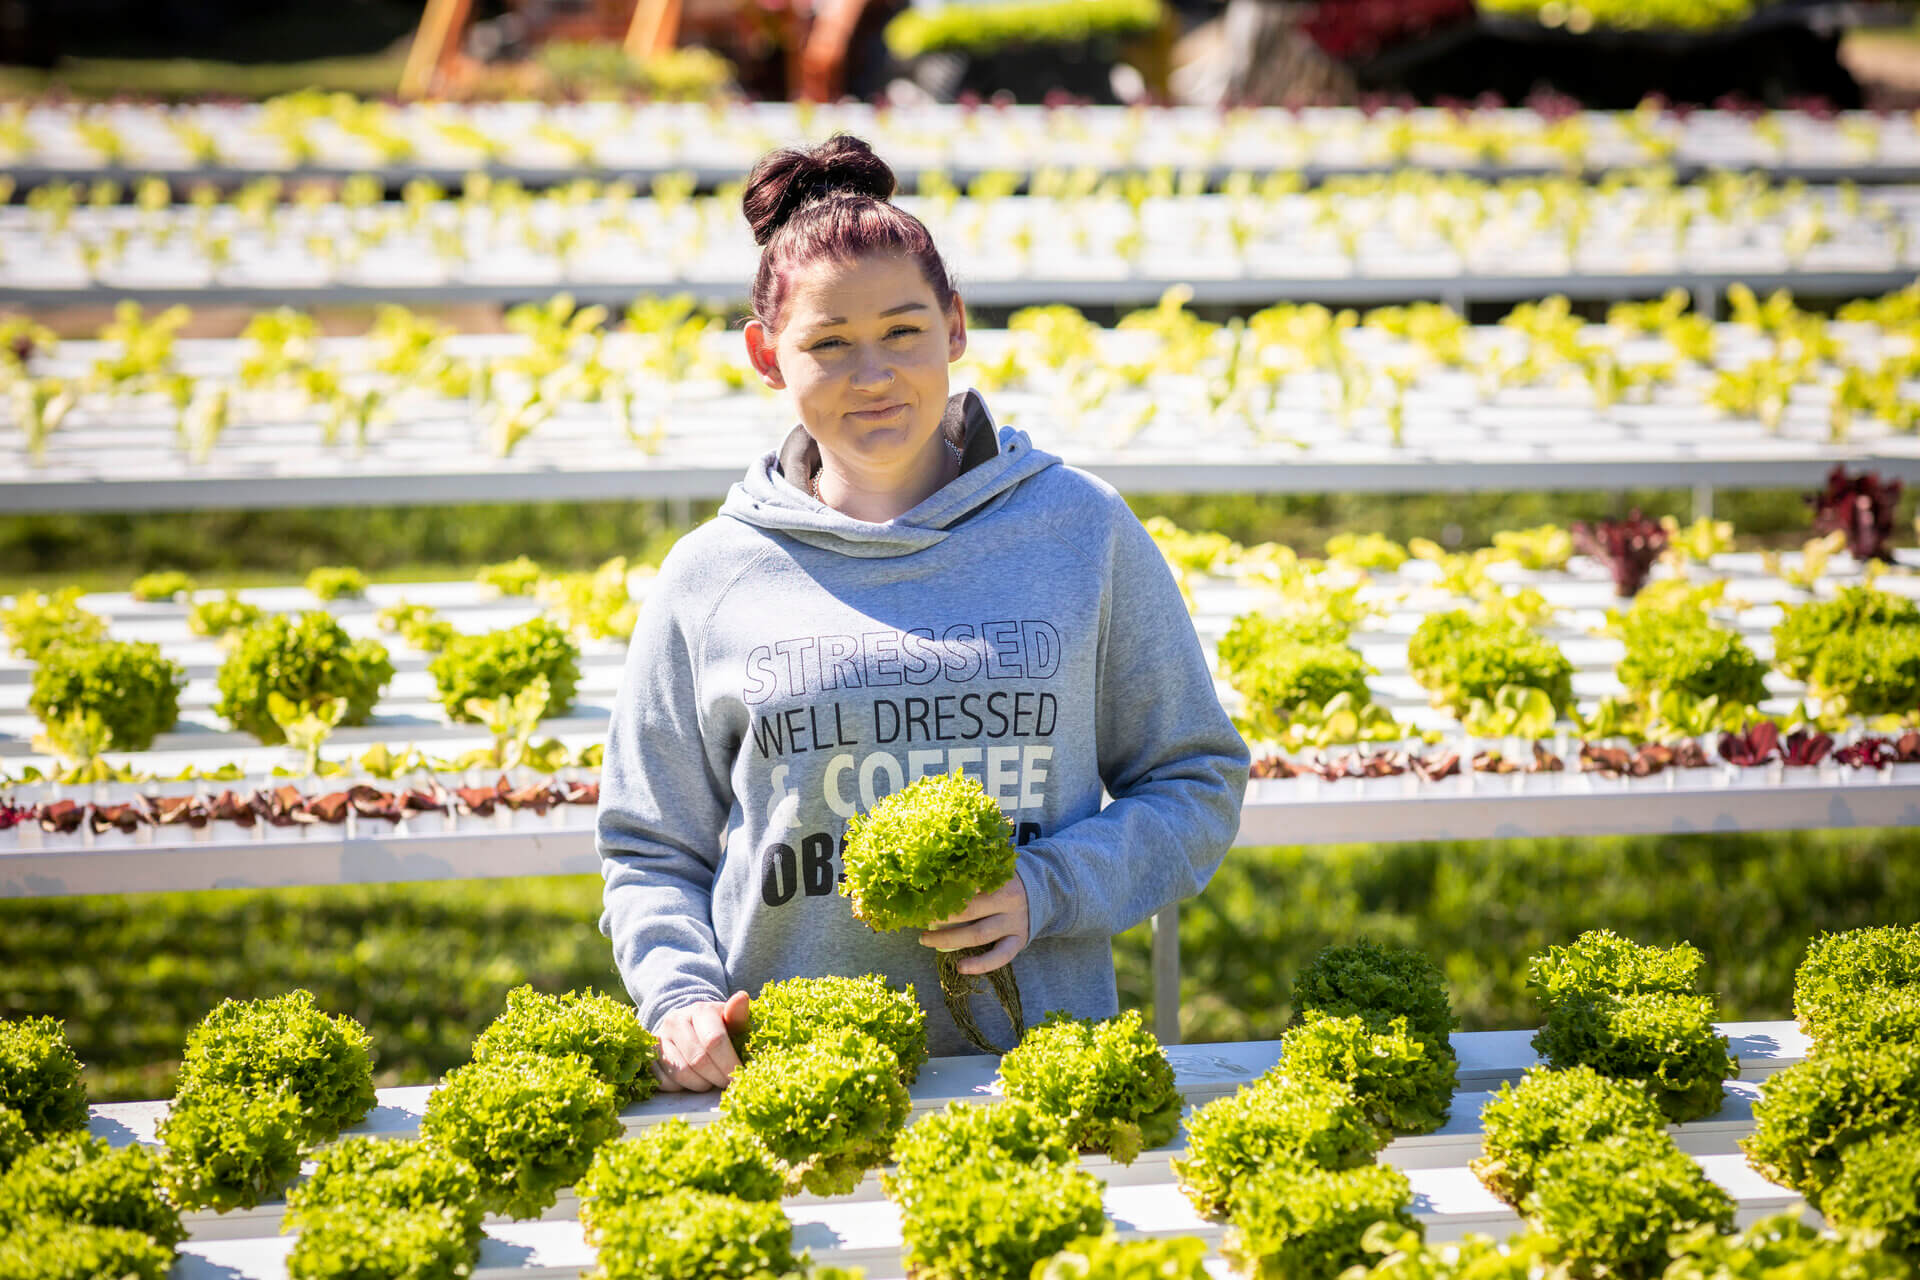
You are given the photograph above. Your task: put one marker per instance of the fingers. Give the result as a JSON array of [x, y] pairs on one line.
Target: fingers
[[992, 902], [987, 961], [695, 1053], [975, 933]]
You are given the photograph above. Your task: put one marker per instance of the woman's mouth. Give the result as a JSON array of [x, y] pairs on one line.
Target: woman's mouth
[[882, 414]]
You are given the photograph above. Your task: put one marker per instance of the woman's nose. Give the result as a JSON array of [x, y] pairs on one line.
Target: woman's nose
[[872, 368]]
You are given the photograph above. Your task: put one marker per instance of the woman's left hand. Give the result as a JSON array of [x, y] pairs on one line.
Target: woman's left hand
[[997, 918]]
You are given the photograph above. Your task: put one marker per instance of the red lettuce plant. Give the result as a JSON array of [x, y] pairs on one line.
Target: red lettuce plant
[[1805, 748], [1627, 547], [1861, 507], [1868, 753], [1755, 746]]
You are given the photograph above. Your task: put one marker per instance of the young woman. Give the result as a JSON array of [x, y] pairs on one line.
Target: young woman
[[901, 588]]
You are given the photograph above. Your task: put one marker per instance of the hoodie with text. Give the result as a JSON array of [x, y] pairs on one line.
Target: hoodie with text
[[791, 665]]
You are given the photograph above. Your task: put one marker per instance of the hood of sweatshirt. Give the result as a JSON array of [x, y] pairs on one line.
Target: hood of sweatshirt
[[994, 460]]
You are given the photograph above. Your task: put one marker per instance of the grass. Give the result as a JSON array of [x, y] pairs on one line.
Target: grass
[[174, 79]]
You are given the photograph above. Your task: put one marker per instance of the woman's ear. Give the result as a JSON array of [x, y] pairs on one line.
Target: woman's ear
[[956, 329], [760, 350]]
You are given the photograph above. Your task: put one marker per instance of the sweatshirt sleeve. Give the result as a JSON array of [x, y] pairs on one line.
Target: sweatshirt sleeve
[[665, 795], [1169, 757]]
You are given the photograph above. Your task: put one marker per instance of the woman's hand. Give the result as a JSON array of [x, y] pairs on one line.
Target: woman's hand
[[997, 917], [696, 1053]]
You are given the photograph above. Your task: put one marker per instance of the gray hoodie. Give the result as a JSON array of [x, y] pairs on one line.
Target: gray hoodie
[[791, 665]]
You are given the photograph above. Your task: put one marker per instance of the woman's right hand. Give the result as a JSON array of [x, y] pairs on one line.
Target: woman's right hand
[[696, 1053]]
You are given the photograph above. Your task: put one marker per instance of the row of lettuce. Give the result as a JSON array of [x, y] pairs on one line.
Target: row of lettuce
[[1773, 352], [1686, 670], [1580, 1147], [292, 678]]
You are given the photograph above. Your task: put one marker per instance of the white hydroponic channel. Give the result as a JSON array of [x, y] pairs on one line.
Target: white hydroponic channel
[[552, 141], [1464, 240], [654, 434]]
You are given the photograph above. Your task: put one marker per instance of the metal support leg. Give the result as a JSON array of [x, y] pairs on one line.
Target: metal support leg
[[1703, 501], [1166, 974]]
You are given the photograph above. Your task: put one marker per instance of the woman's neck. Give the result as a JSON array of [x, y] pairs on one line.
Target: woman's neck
[[876, 499]]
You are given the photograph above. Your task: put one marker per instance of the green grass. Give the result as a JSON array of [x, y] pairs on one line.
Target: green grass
[[173, 79], [426, 967]]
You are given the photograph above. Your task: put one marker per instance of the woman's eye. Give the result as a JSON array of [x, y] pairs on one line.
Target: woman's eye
[[824, 343], [899, 329]]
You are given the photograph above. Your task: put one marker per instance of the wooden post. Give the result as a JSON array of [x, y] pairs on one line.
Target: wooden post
[[655, 28], [434, 43]]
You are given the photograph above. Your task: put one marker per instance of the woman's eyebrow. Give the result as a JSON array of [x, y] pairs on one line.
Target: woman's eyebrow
[[890, 311]]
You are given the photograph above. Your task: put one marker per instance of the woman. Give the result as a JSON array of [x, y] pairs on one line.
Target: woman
[[902, 588]]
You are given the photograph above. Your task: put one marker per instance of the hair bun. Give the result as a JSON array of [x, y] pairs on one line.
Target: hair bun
[[787, 180]]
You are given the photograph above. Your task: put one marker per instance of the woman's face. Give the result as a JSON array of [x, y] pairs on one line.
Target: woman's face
[[863, 348]]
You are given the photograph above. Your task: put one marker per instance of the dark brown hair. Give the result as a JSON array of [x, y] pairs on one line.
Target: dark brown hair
[[832, 201]]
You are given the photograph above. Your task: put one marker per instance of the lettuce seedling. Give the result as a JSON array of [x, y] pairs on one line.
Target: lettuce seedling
[[941, 1141], [216, 618], [1845, 976], [128, 684], [40, 1077], [1805, 630], [352, 1242], [788, 1014], [1695, 658], [1780, 1247], [529, 1126], [723, 1157], [1549, 1111], [336, 582], [1109, 1080], [1377, 979], [918, 856], [1459, 656], [1253, 635], [1284, 681], [1404, 1256], [48, 1249], [1295, 1222], [231, 1148], [303, 658], [995, 1219], [324, 1060], [168, 584], [80, 1179], [35, 622], [1610, 1205], [1810, 1113], [1600, 960], [1877, 1194], [694, 1235], [499, 664], [603, 1030], [1404, 1083], [1872, 671], [14, 1138], [828, 1111], [1628, 548], [1862, 507], [1667, 1043], [516, 577], [1277, 1120], [384, 1175], [1108, 1257]]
